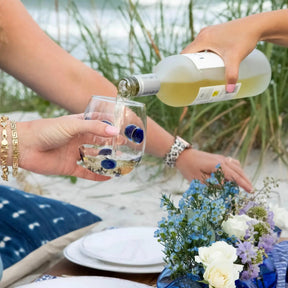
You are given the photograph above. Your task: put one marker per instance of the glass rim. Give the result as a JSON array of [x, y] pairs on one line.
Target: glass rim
[[112, 99]]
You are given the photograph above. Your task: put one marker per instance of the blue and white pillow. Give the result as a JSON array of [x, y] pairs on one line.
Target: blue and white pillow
[[28, 221]]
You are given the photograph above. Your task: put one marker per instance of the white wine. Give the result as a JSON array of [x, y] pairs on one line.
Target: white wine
[[191, 79], [106, 165]]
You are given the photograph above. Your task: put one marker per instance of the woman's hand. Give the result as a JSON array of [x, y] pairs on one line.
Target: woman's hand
[[231, 41], [195, 164], [51, 146], [235, 39]]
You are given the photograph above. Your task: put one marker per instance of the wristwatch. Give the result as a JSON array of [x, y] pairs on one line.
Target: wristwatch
[[176, 149]]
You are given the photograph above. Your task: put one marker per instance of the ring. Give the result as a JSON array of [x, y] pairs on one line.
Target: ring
[[229, 159]]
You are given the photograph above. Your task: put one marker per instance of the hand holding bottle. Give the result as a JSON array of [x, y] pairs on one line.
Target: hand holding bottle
[[234, 40], [198, 78]]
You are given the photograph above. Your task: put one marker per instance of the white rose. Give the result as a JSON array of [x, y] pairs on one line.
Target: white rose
[[236, 225], [280, 217], [218, 250], [222, 274]]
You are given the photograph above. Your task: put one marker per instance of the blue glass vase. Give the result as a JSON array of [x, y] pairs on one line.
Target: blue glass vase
[[189, 281], [267, 277]]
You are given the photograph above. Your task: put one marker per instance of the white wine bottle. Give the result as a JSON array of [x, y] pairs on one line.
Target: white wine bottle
[[191, 79]]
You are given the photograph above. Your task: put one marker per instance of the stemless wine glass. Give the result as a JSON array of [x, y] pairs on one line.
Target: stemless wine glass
[[117, 155]]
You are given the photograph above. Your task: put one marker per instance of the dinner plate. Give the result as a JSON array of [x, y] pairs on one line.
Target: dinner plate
[[126, 246], [72, 253], [87, 282]]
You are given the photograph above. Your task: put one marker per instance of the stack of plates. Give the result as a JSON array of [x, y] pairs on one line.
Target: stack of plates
[[127, 250]]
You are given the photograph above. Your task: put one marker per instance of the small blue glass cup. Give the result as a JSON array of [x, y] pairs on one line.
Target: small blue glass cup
[[118, 155]]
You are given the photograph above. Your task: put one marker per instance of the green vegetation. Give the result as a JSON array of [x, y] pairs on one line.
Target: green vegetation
[[232, 127]]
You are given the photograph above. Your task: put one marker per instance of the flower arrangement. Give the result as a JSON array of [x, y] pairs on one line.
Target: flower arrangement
[[218, 234]]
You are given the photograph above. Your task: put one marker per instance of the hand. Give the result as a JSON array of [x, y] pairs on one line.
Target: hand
[[50, 146], [194, 164], [231, 41]]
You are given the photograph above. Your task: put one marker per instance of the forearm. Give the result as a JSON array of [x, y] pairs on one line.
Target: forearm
[[29, 55], [159, 141], [277, 27], [269, 26]]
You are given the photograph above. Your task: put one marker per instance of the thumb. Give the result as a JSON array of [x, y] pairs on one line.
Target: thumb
[[231, 74]]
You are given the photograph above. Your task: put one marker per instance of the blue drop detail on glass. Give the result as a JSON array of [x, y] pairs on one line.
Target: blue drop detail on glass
[[138, 135], [129, 131], [105, 151], [108, 164], [107, 122]]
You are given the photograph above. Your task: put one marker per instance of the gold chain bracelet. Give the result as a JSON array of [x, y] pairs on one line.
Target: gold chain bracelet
[[4, 148], [15, 149]]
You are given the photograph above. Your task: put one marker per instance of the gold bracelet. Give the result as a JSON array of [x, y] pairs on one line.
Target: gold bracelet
[[4, 148], [15, 150]]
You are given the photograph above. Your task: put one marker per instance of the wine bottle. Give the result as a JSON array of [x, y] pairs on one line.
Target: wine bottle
[[191, 79]]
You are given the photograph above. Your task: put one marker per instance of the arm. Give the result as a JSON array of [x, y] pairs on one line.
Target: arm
[[234, 40], [33, 58]]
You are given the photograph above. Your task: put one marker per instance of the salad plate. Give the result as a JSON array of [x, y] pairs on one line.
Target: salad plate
[[73, 253], [135, 246]]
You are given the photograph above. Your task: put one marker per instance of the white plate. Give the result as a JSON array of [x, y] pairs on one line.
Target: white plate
[[72, 253], [85, 281], [125, 246]]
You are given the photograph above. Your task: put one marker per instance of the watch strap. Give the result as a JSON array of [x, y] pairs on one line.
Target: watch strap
[[177, 148]]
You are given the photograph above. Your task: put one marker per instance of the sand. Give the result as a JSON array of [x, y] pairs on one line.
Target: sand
[[134, 199]]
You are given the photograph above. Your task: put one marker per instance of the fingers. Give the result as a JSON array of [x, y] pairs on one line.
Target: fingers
[[231, 72], [234, 172], [75, 125], [84, 173]]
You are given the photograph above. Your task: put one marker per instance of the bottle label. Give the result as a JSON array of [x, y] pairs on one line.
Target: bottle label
[[216, 93], [149, 84], [205, 60]]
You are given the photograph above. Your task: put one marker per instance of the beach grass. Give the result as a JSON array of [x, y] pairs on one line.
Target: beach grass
[[232, 127]]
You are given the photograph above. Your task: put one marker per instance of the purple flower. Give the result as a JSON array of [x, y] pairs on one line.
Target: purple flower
[[267, 241], [249, 205], [251, 272], [246, 251], [270, 219]]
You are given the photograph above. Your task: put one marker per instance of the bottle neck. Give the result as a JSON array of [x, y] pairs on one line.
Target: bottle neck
[[139, 85]]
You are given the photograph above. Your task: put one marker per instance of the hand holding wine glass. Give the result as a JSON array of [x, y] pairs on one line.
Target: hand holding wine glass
[[117, 155]]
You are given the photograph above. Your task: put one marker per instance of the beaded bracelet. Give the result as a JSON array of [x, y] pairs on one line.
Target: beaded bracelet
[[15, 151], [4, 148], [177, 148]]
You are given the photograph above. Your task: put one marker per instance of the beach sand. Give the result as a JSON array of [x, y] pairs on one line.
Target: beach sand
[[134, 199]]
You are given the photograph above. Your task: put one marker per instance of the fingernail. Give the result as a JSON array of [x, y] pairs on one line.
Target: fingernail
[[111, 130], [251, 189], [230, 88]]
